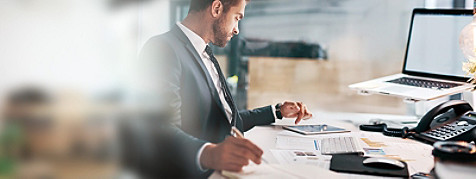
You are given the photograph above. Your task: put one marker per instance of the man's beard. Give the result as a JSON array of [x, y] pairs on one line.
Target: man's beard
[[220, 34]]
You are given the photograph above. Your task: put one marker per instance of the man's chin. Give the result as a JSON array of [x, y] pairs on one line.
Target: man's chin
[[222, 45]]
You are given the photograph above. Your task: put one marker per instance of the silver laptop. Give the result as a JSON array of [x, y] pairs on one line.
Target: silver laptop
[[433, 60]]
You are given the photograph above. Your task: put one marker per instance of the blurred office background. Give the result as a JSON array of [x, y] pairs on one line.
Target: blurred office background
[[64, 68]]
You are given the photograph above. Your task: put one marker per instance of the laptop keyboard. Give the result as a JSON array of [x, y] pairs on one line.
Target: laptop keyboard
[[339, 145], [424, 83]]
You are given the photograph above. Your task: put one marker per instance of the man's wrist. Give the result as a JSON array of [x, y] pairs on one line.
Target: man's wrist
[[206, 156], [278, 113], [201, 167]]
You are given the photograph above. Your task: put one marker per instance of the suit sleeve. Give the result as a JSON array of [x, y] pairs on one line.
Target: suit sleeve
[[255, 117], [172, 152]]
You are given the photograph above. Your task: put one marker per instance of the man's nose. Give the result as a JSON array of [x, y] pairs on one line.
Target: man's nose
[[236, 30]]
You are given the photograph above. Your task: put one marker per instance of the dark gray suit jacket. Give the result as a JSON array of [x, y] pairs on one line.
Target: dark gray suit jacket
[[195, 112]]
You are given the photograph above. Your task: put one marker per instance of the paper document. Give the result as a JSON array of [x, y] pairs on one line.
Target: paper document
[[301, 157], [287, 142], [262, 171], [281, 171], [324, 144], [319, 136]]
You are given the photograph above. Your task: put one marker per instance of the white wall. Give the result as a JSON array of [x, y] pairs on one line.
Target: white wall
[[85, 45]]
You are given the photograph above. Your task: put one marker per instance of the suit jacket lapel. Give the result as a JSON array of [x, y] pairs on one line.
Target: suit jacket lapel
[[178, 32]]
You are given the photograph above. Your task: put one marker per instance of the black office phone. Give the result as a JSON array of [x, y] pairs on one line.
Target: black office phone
[[453, 120]]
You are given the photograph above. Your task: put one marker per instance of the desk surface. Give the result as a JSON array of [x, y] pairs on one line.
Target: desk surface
[[416, 154]]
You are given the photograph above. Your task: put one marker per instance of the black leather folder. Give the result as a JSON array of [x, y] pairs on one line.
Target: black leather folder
[[353, 164]]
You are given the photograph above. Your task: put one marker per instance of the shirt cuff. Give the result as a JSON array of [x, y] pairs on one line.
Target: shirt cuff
[[273, 108], [199, 154]]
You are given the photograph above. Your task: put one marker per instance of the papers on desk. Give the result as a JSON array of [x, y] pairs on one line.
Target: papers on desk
[[281, 171], [292, 140], [296, 149], [417, 155], [262, 171], [288, 142], [301, 157], [287, 133]]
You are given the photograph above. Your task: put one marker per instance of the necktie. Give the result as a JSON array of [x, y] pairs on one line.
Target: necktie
[[223, 85]]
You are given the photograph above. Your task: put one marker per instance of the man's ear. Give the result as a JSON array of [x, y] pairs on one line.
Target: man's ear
[[216, 8]]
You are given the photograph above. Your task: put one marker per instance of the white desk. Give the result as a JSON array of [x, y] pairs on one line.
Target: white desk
[[418, 155]]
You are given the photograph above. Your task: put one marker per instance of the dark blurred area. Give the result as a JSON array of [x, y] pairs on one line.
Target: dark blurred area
[[266, 48], [118, 4]]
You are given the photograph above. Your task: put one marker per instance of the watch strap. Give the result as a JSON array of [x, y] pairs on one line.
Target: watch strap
[[279, 115]]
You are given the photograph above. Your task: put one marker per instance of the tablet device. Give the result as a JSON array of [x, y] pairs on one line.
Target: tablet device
[[315, 129]]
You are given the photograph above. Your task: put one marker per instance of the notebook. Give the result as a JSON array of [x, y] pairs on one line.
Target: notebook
[[433, 61]]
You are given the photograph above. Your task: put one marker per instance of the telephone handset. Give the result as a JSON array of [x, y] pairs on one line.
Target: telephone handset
[[452, 120]]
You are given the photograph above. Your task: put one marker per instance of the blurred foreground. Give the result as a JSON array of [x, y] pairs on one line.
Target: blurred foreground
[[44, 134]]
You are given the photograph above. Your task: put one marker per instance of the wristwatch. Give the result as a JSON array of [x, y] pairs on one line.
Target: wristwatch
[[278, 111]]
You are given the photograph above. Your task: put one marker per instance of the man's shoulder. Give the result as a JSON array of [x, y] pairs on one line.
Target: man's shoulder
[[169, 39], [162, 38]]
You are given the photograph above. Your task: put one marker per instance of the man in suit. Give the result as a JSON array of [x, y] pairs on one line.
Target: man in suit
[[194, 137]]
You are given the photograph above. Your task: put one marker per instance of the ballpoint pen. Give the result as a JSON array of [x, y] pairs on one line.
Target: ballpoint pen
[[236, 133]]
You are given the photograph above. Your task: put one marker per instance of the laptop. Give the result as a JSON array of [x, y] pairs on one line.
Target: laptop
[[433, 61]]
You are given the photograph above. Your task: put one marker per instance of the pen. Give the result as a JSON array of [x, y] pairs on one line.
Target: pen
[[237, 133]]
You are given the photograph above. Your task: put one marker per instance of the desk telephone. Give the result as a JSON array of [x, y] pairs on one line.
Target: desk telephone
[[452, 120]]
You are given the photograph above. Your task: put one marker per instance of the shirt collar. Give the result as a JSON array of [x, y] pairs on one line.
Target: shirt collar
[[197, 41]]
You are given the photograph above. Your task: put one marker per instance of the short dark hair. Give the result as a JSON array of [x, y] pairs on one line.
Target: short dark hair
[[199, 5]]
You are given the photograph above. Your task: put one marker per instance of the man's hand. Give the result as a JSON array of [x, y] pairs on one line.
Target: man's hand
[[232, 154], [295, 110]]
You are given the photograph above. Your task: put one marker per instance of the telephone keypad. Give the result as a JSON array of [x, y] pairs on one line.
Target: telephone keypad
[[450, 130]]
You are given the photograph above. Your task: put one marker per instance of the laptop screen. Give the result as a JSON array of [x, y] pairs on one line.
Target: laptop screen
[[433, 44]]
